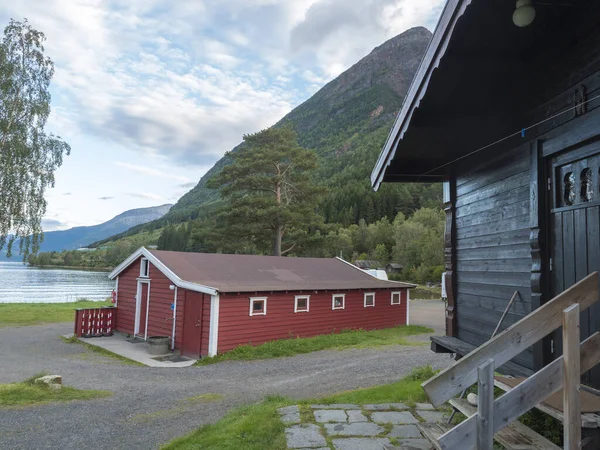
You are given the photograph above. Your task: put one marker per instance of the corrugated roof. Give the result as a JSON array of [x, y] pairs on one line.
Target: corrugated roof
[[251, 273]]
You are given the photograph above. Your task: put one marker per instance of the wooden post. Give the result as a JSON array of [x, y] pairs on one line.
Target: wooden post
[[485, 406], [572, 369]]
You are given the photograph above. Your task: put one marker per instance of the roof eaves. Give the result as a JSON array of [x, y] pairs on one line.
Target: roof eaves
[[398, 283], [142, 251], [453, 10]]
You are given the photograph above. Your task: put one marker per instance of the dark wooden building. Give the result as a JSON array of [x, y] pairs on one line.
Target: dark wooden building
[[508, 118]]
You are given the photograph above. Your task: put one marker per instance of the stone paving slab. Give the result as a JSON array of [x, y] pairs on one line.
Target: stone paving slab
[[406, 432], [356, 416], [361, 444], [336, 406], [394, 417], [425, 406], [303, 436], [432, 416], [385, 407], [353, 429], [289, 410], [415, 444], [331, 415]]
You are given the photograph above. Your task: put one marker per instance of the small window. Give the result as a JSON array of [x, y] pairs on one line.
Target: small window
[[369, 299], [301, 304], [338, 301], [569, 189], [258, 306], [587, 188], [145, 268], [396, 298]]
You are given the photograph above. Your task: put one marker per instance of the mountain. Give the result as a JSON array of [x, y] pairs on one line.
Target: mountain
[[367, 95], [82, 236], [346, 123]]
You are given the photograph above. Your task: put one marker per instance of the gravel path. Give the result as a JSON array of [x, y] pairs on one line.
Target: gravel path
[[151, 406]]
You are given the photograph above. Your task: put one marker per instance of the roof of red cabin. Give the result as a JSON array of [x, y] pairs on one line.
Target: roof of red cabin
[[252, 273]]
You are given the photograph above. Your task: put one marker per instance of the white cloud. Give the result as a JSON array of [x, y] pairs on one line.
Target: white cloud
[[152, 172], [146, 196]]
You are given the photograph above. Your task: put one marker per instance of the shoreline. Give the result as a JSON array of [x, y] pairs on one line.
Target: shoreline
[[84, 268]]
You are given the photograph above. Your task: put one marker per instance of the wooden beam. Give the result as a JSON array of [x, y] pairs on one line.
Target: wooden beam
[[522, 397], [572, 378], [511, 341], [485, 406]]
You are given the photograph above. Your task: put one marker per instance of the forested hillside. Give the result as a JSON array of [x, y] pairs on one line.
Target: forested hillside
[[346, 124]]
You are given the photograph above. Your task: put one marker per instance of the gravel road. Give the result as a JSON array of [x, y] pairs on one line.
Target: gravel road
[[151, 406]]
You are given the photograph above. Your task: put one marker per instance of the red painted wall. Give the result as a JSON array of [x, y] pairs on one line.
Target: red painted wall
[[237, 327], [160, 315], [126, 292]]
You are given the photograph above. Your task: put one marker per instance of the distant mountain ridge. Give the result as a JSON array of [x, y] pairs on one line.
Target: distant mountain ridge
[[78, 237]]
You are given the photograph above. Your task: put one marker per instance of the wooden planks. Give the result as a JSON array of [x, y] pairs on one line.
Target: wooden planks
[[485, 406], [515, 436], [571, 377], [510, 342], [523, 397], [432, 431]]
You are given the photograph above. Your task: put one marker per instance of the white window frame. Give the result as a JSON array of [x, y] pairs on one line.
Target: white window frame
[[298, 297], [365, 299], [399, 298], [258, 299], [343, 301], [142, 274]]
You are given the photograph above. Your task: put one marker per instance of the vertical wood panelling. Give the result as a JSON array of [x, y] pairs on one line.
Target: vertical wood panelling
[[205, 324], [450, 256], [127, 291], [160, 314], [237, 327]]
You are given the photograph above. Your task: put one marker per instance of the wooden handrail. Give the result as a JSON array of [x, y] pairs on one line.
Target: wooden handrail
[[522, 397], [512, 341]]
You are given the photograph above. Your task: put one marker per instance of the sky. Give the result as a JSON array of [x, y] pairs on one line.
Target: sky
[[151, 93]]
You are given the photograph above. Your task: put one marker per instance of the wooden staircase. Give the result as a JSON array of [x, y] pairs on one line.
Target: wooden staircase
[[497, 418]]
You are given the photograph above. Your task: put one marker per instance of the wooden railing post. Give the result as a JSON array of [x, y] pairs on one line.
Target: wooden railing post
[[571, 374], [485, 406]]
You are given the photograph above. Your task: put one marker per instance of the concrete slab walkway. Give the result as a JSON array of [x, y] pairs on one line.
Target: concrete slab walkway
[[352, 427], [121, 345]]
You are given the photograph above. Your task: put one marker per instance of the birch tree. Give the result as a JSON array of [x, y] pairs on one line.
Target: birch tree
[[271, 198], [28, 156]]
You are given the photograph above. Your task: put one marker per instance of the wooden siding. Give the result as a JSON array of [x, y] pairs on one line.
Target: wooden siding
[[205, 324], [492, 246], [237, 327], [160, 315], [126, 292]]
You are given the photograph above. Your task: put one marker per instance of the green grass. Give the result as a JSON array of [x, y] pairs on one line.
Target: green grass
[[101, 351], [28, 393], [342, 340], [22, 314], [257, 427]]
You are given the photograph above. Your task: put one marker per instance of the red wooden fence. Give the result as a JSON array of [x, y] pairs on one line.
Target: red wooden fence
[[95, 322]]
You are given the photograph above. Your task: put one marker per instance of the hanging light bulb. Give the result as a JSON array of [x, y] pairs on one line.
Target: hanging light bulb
[[524, 15]]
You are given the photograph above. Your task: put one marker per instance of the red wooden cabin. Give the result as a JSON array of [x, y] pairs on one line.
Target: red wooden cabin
[[212, 303]]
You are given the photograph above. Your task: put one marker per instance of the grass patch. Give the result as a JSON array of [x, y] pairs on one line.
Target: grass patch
[[341, 340], [28, 393], [408, 390], [23, 314], [257, 427], [101, 351]]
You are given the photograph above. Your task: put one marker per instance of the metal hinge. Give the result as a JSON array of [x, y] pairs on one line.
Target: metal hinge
[[550, 263], [552, 346], [549, 184]]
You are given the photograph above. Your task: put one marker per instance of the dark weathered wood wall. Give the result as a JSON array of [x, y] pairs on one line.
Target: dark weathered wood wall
[[492, 245], [502, 230]]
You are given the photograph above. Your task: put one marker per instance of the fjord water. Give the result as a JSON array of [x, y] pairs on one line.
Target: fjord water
[[20, 283]]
